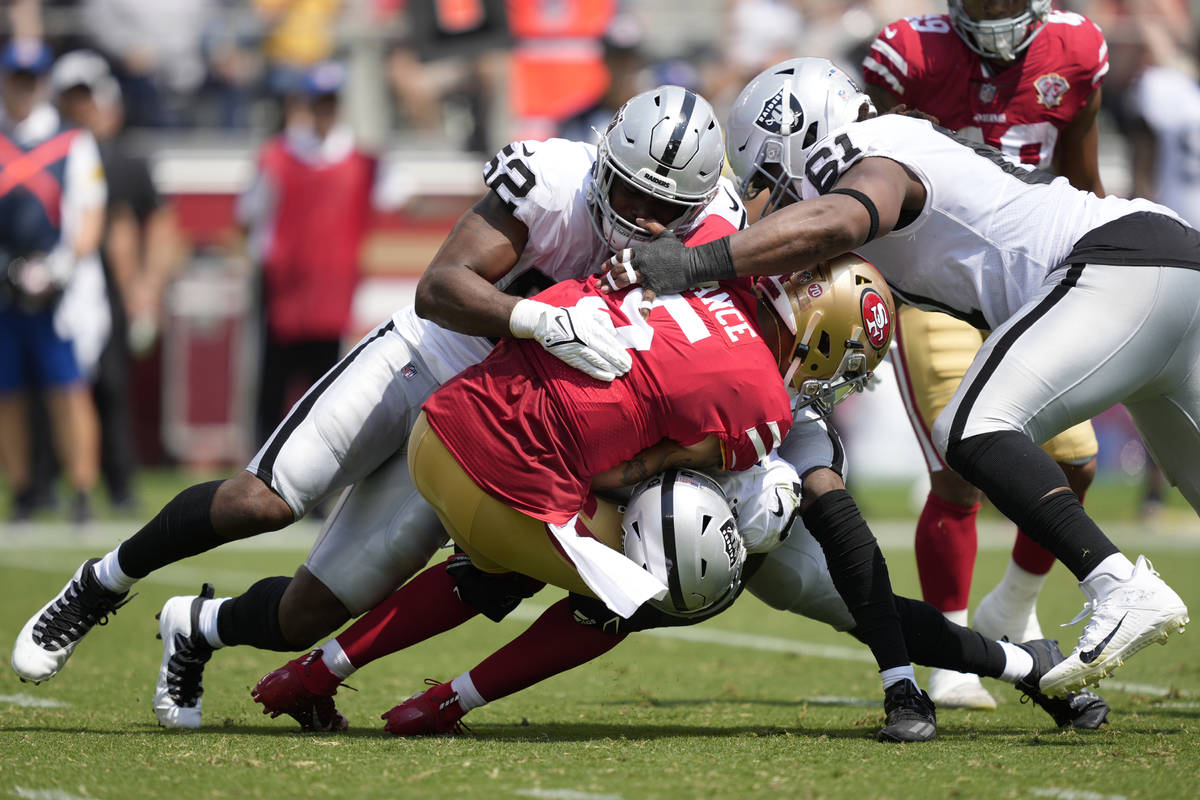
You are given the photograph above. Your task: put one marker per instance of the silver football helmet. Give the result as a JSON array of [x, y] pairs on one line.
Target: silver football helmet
[[665, 143], [679, 528], [999, 39], [778, 118]]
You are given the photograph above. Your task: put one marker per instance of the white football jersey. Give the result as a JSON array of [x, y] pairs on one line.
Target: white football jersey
[[990, 231], [545, 185], [1169, 102]]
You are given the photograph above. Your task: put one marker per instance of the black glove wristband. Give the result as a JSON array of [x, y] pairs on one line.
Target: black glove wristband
[[668, 266], [712, 262]]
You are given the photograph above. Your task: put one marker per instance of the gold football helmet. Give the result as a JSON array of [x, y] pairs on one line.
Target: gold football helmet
[[832, 324]]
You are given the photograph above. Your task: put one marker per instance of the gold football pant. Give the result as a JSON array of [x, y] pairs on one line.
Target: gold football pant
[[934, 351], [497, 537]]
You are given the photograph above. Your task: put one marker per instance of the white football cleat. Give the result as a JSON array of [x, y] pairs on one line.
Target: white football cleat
[[950, 689], [49, 637], [1000, 614], [1127, 615], [185, 652]]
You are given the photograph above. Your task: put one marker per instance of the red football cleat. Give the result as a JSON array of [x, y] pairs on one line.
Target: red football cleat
[[433, 711], [303, 688]]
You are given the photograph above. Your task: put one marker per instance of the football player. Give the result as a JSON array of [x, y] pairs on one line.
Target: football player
[[553, 210], [851, 313], [1025, 80], [954, 226]]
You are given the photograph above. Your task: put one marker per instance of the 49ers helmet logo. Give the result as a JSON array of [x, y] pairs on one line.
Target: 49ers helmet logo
[[770, 119], [876, 320]]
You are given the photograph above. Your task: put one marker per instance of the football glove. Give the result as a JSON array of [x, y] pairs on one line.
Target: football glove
[[667, 265], [581, 337]]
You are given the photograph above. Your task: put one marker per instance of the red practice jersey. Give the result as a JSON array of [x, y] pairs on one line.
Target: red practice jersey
[[1019, 110], [532, 431]]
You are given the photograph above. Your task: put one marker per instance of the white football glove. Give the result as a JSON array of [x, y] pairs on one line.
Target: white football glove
[[583, 338]]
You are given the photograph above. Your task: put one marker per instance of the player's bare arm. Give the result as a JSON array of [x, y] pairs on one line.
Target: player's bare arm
[[819, 229], [456, 290], [664, 455], [1076, 156]]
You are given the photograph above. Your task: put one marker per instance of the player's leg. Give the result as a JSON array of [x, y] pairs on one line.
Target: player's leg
[[932, 354], [338, 432], [1010, 608], [1037, 375]]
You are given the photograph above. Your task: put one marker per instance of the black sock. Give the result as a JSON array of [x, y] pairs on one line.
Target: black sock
[[1018, 477], [253, 617], [183, 528], [934, 641], [860, 574]]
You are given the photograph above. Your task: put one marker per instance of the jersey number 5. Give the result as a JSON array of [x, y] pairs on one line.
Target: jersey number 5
[[513, 181]]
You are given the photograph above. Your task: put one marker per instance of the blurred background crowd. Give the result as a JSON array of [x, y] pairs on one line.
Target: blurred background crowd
[[233, 279]]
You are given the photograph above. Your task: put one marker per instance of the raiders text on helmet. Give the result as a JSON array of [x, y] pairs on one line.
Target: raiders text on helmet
[[665, 143], [999, 39], [834, 325], [778, 118], [679, 528]]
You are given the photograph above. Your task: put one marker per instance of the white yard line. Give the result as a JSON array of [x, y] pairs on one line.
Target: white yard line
[[1073, 794], [566, 794], [29, 701], [45, 794]]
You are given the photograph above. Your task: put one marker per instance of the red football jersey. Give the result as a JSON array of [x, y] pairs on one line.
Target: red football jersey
[[1019, 110], [532, 431]]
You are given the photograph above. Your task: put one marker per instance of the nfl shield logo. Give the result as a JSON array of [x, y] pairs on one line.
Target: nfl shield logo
[[409, 371], [987, 93]]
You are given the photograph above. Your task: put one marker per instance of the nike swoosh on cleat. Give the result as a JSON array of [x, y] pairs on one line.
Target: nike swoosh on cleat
[[1088, 656]]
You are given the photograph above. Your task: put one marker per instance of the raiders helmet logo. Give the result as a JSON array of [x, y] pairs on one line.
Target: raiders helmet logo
[[1051, 89], [771, 120], [876, 321]]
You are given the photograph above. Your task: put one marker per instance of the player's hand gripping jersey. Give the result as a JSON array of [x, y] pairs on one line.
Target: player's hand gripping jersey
[[532, 432], [545, 186], [974, 200], [1020, 110]]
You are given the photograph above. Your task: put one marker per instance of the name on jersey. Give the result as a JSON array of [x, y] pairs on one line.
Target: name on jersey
[[1000, 118], [725, 312]]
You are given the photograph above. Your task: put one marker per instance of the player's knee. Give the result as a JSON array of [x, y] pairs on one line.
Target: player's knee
[[940, 433], [245, 506]]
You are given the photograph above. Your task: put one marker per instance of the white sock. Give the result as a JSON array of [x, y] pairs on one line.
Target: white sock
[[108, 572], [208, 620], [1116, 565], [1017, 662], [1020, 582], [957, 617], [336, 660], [468, 696], [894, 675]]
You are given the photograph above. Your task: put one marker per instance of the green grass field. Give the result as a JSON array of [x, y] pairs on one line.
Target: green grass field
[[754, 703]]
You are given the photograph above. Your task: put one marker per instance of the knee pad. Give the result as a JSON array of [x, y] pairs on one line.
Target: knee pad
[[494, 595]]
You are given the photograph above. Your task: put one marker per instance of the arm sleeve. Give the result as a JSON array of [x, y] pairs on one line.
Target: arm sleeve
[[895, 61]]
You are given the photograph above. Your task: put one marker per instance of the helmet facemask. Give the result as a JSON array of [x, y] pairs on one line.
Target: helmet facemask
[[609, 224], [999, 39]]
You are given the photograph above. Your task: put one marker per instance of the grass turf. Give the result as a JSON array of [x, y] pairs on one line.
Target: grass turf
[[659, 717]]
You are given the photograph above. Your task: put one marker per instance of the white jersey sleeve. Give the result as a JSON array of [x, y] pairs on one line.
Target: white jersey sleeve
[[990, 230], [765, 500]]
